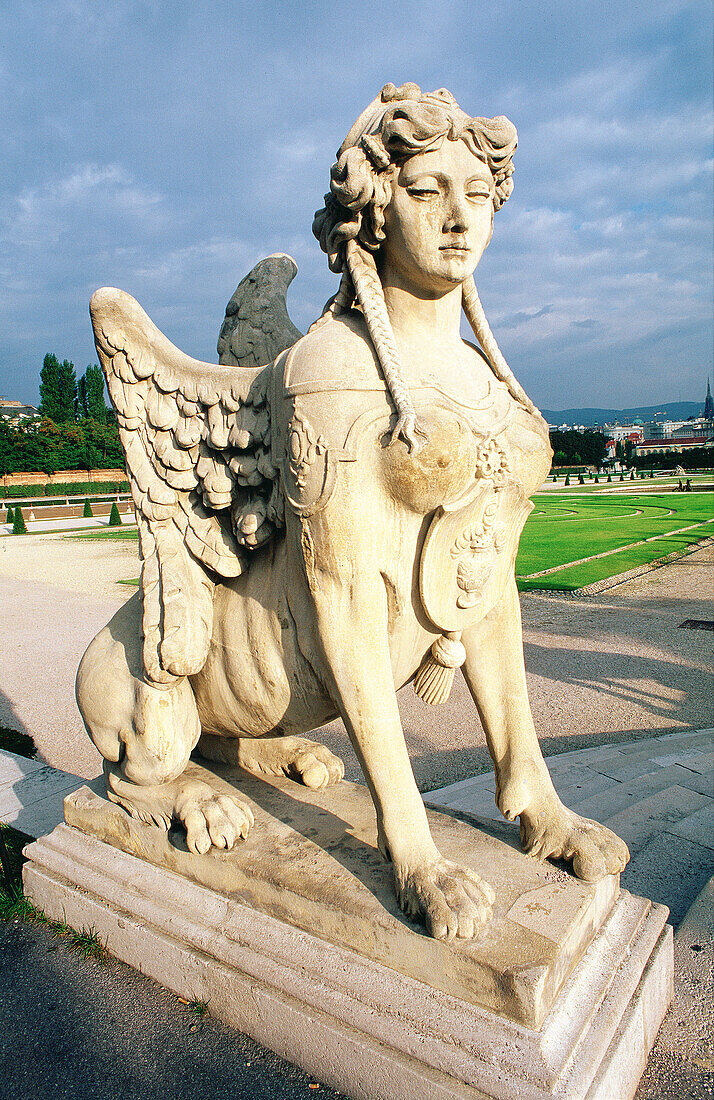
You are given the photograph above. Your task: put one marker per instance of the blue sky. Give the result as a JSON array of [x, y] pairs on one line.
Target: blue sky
[[165, 147]]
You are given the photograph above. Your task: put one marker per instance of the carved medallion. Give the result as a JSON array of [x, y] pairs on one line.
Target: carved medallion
[[310, 473], [304, 446]]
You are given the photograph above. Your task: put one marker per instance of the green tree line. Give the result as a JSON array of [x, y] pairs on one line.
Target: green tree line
[[76, 430], [578, 448]]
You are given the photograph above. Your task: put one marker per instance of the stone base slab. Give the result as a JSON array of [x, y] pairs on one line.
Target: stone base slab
[[311, 860], [364, 1028]]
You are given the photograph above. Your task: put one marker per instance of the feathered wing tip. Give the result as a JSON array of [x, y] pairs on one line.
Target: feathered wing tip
[[257, 325]]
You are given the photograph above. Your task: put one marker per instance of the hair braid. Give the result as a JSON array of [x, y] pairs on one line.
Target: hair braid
[[370, 295], [477, 319], [339, 303]]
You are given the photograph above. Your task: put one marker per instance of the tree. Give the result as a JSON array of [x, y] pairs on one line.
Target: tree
[[90, 395], [8, 517], [18, 524], [87, 513], [58, 389], [114, 517]]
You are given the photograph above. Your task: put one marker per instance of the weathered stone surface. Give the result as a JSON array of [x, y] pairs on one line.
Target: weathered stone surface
[[368, 1029], [311, 860], [327, 524]]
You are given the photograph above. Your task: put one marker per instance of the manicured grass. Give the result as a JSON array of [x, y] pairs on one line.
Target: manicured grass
[[566, 528], [106, 533]]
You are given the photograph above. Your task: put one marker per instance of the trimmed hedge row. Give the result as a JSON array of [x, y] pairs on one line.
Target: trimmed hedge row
[[64, 489]]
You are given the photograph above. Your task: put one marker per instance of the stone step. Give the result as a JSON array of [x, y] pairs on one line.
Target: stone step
[[658, 812]]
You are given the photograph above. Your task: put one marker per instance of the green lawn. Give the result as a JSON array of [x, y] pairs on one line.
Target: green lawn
[[106, 533], [565, 528]]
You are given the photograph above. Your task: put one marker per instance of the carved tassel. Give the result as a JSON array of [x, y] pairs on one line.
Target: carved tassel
[[435, 677]]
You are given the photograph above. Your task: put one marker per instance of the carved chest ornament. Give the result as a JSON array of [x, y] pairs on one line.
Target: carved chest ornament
[[475, 548], [465, 564]]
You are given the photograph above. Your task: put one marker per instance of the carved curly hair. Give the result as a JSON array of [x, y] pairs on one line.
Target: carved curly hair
[[350, 227]]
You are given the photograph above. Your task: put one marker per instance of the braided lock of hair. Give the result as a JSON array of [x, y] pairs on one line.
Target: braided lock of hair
[[339, 303], [482, 330], [368, 287]]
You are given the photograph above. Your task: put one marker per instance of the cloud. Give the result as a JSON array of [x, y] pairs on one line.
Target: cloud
[[166, 148]]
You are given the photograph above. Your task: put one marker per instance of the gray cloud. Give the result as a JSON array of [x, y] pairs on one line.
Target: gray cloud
[[166, 148]]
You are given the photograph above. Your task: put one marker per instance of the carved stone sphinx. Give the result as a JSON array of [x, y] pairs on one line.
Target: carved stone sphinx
[[324, 518]]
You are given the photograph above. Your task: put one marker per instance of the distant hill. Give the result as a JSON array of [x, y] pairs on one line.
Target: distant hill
[[670, 410]]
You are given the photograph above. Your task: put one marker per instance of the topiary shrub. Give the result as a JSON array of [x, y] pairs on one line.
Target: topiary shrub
[[8, 517], [114, 517], [567, 479], [597, 480], [609, 477], [632, 475], [87, 513], [18, 523], [581, 479]]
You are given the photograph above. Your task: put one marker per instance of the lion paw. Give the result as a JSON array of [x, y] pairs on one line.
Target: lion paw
[[304, 761], [211, 819], [453, 899], [554, 832], [315, 766]]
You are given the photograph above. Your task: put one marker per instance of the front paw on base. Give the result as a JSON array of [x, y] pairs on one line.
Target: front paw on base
[[453, 900], [555, 832], [211, 819]]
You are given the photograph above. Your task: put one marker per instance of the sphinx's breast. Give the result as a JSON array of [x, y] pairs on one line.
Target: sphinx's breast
[[440, 471]]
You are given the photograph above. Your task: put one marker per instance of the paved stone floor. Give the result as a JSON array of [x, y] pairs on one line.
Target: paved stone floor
[[658, 794]]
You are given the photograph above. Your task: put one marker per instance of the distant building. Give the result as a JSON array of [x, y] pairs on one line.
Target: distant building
[[678, 436], [671, 445], [709, 404], [15, 410]]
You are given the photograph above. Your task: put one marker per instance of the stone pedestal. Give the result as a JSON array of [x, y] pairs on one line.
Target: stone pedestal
[[295, 938]]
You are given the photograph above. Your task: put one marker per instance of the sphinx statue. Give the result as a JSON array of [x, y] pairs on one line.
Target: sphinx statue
[[325, 518]]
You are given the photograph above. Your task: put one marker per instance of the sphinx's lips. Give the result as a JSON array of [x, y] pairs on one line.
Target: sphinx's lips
[[459, 248]]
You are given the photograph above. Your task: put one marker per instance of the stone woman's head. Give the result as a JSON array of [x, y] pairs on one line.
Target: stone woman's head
[[351, 227], [399, 124]]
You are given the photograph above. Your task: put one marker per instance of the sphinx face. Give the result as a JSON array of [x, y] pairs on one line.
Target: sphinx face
[[439, 220]]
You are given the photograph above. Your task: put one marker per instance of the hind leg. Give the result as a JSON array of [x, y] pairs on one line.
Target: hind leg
[[495, 675], [146, 735], [305, 761]]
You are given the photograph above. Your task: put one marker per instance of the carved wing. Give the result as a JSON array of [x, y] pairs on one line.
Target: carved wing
[[197, 443], [257, 326]]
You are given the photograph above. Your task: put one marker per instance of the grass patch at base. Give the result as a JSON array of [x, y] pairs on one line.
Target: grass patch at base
[[14, 906]]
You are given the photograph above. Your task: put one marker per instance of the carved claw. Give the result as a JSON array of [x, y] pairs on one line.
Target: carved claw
[[409, 429]]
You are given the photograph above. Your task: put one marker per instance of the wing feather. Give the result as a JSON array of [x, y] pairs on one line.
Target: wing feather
[[184, 425]]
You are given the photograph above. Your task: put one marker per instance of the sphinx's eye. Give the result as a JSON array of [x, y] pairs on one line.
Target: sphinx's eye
[[478, 193], [422, 192]]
